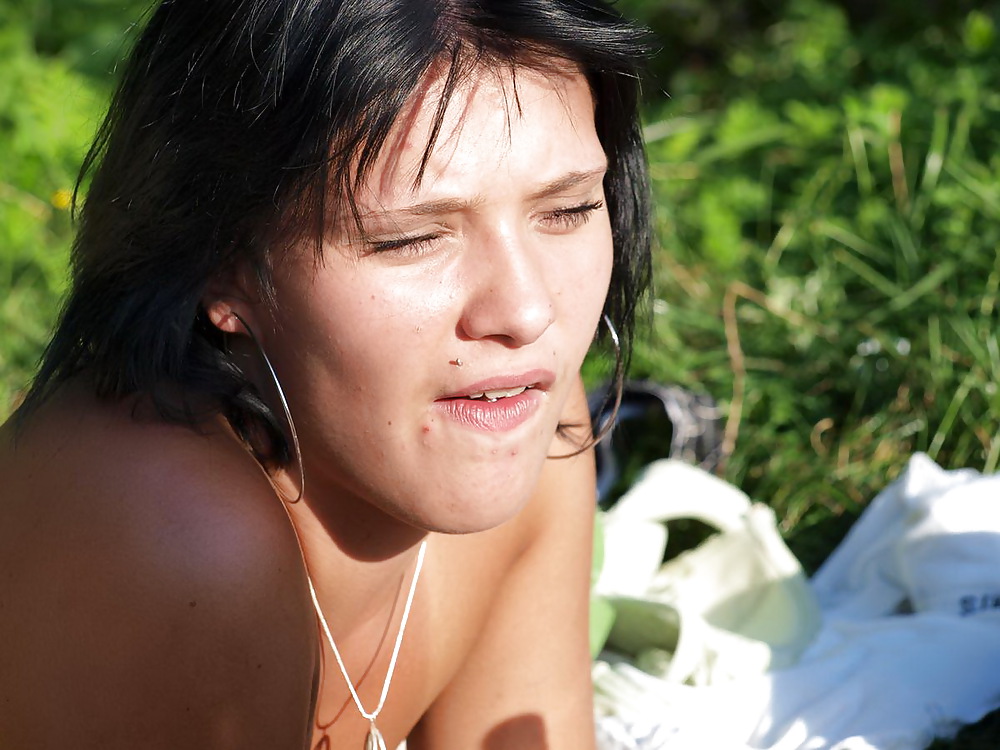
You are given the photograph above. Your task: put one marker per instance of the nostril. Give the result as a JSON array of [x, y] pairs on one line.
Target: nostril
[[510, 297], [517, 312]]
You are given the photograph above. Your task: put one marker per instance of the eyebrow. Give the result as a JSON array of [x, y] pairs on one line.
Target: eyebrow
[[452, 205], [568, 181]]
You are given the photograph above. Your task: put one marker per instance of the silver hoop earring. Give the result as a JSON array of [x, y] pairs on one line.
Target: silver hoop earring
[[617, 379], [603, 424], [284, 406]]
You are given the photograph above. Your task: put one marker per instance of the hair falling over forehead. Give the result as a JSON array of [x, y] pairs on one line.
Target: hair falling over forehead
[[243, 127]]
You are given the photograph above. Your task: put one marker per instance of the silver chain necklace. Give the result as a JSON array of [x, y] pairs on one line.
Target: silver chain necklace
[[374, 740]]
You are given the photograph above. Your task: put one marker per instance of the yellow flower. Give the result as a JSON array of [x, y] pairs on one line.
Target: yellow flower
[[62, 199]]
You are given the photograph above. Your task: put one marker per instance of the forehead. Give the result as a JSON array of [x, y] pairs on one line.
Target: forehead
[[519, 123]]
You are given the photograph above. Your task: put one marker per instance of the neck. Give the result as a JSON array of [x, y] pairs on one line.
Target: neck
[[358, 557]]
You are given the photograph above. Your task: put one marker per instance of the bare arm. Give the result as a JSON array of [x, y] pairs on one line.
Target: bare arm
[[526, 684]]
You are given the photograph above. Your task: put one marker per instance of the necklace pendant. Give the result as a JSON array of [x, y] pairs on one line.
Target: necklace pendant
[[374, 739]]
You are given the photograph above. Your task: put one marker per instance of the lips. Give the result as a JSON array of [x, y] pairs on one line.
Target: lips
[[503, 386], [498, 404]]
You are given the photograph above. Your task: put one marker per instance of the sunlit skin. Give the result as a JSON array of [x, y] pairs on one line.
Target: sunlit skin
[[488, 274], [499, 258]]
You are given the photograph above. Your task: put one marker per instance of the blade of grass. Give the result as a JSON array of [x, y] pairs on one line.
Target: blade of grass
[[929, 283], [988, 302], [904, 241], [869, 274], [987, 197], [968, 332], [934, 340], [780, 243], [993, 457], [851, 240], [933, 164], [948, 420], [859, 155], [750, 141]]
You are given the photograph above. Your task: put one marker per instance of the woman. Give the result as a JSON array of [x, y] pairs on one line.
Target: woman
[[335, 276]]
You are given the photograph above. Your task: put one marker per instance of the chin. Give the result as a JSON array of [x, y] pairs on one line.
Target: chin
[[473, 507]]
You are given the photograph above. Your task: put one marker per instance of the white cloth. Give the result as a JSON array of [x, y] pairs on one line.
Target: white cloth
[[907, 544], [737, 605], [891, 683], [909, 648]]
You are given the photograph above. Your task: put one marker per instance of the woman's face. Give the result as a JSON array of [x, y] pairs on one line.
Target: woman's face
[[427, 361]]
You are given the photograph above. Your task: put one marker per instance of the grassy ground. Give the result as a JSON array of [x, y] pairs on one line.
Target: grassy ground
[[828, 206]]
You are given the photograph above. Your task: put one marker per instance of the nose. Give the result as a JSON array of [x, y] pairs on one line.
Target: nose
[[510, 299]]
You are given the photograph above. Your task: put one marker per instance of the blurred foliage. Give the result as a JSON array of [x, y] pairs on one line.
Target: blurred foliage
[[828, 205], [90, 36], [55, 59], [828, 210]]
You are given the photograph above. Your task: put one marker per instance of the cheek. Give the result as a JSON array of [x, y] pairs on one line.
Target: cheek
[[585, 274], [387, 307]]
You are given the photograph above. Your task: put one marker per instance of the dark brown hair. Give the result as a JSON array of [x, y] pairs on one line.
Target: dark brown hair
[[238, 123]]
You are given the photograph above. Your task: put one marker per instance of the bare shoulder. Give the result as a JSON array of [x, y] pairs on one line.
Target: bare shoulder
[[153, 591]]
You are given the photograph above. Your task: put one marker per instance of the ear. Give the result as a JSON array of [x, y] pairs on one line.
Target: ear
[[226, 303], [223, 314]]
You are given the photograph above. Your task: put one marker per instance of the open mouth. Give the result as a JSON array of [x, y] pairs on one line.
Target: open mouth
[[496, 395], [515, 391], [496, 406]]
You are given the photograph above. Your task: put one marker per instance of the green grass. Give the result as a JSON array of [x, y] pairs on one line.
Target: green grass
[[828, 211], [829, 221], [828, 266], [56, 58]]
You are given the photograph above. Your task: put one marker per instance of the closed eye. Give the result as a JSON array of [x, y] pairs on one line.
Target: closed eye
[[403, 244], [559, 220], [572, 216]]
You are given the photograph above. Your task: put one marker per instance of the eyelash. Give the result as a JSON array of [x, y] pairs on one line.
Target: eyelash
[[574, 216], [404, 244], [561, 218]]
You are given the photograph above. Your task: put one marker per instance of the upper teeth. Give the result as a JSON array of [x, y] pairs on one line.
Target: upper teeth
[[500, 393]]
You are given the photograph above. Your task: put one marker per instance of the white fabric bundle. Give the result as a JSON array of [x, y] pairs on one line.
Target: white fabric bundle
[[909, 646]]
